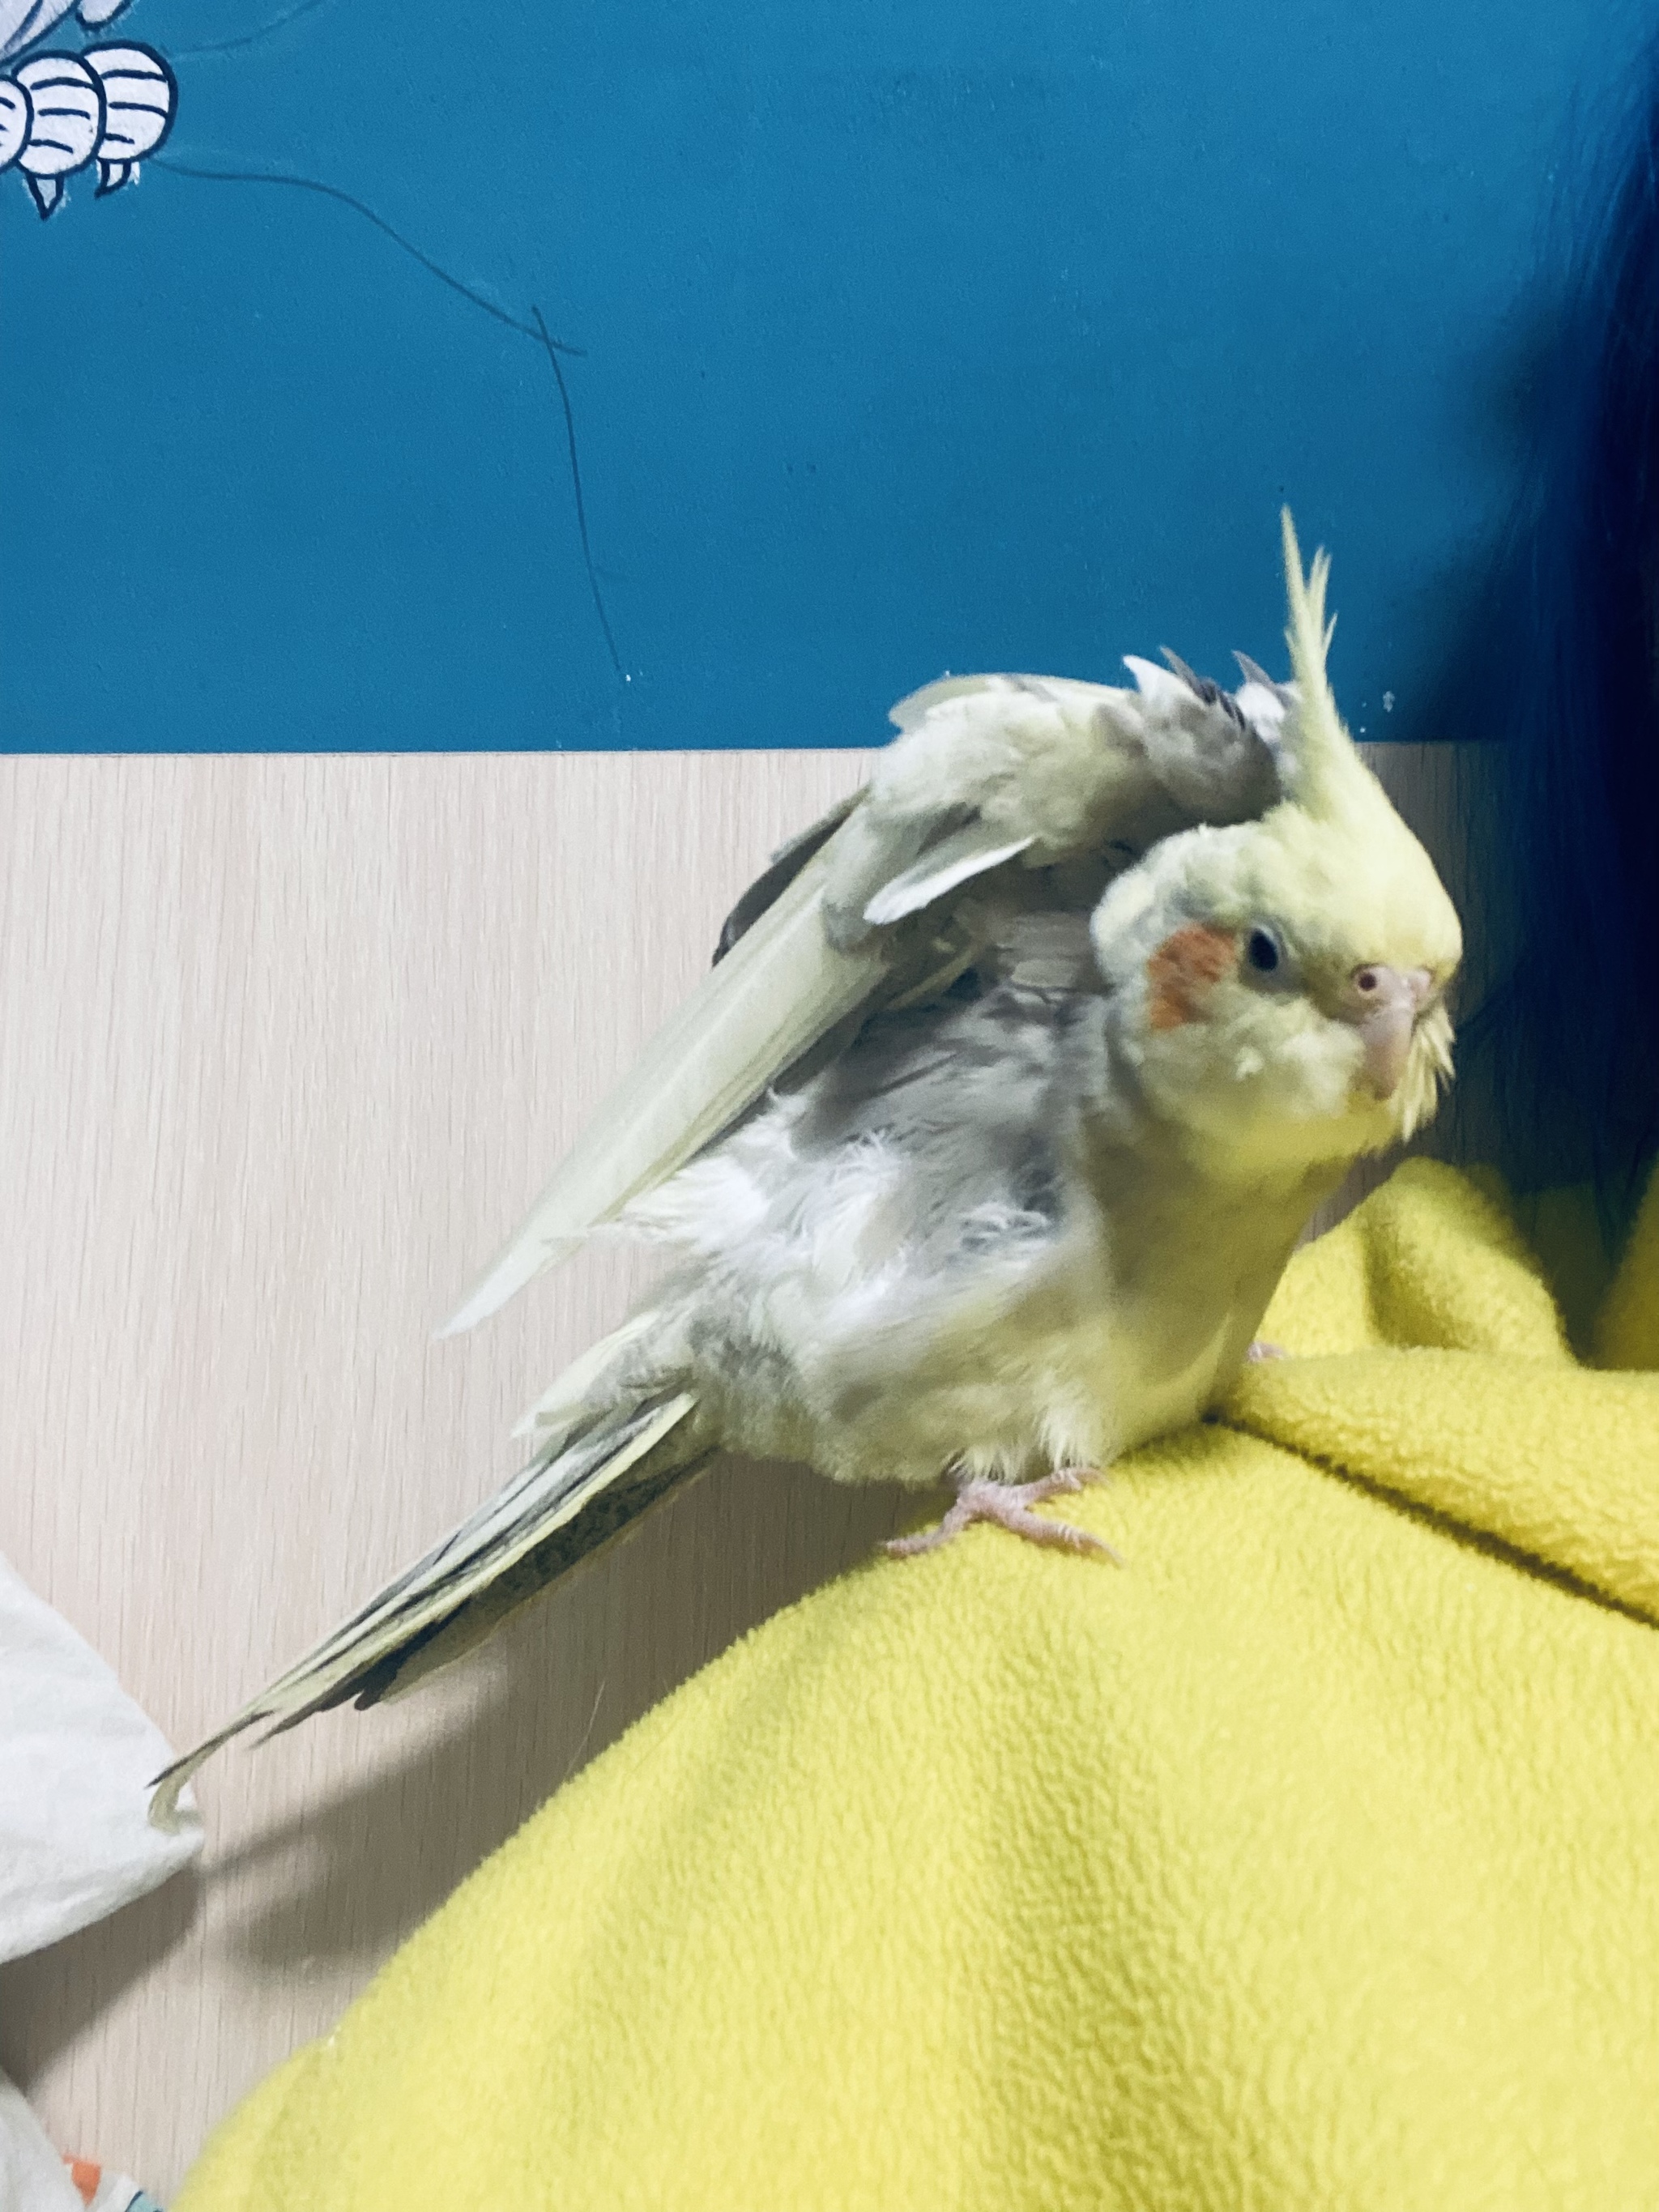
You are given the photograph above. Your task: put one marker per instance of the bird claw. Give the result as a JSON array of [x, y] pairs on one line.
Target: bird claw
[[1008, 1505], [1262, 1350]]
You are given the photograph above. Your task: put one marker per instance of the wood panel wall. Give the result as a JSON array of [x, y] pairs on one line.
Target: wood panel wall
[[286, 1047]]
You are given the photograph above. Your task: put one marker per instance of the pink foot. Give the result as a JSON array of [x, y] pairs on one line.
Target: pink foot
[[1008, 1505], [1262, 1350]]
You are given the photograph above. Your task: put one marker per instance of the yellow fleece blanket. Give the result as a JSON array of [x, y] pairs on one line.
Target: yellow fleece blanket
[[1310, 1862]]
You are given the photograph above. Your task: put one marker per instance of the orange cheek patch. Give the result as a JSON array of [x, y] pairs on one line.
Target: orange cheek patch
[[1183, 968]]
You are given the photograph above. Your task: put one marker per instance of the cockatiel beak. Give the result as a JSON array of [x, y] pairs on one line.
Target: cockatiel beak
[[1384, 1005]]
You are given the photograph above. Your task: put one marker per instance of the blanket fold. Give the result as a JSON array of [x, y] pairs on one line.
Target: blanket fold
[[1440, 1371], [1308, 1860]]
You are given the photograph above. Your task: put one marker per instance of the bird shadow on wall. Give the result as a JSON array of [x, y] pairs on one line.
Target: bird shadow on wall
[[335, 1889], [350, 1880]]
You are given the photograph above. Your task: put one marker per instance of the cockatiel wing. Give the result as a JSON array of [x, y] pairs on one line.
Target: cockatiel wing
[[993, 783]]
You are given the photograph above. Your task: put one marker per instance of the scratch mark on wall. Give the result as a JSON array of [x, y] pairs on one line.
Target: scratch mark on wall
[[536, 329], [249, 38], [553, 349], [360, 207]]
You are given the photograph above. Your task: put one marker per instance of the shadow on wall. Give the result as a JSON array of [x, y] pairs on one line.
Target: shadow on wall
[[330, 1898]]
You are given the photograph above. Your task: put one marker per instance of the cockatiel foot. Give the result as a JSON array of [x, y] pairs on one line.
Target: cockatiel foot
[[1262, 1350], [1008, 1505]]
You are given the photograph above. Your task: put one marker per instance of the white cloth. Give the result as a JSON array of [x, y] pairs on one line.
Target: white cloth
[[76, 1758], [32, 2178]]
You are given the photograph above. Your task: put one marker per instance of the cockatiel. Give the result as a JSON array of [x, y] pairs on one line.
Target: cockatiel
[[984, 1145]]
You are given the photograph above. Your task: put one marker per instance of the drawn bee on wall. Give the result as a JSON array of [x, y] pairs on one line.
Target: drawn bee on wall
[[60, 112]]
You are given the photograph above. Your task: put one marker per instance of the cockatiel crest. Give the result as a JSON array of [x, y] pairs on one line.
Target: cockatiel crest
[[983, 1145]]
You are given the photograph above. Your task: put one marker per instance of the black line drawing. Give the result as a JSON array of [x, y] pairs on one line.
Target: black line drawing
[[61, 112], [141, 94], [24, 23]]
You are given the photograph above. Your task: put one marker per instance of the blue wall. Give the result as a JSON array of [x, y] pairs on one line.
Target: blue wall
[[916, 334]]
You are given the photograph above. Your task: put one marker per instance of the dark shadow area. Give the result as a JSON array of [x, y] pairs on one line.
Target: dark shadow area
[[1458, 610], [353, 1875], [48, 1999]]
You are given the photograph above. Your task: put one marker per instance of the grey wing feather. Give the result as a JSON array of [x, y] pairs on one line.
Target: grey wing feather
[[785, 865], [971, 1102], [563, 1480]]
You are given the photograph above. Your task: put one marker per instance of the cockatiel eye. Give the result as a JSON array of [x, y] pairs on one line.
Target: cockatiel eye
[[1263, 950]]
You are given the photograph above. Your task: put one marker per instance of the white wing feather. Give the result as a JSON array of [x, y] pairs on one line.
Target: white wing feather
[[774, 995], [955, 861]]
